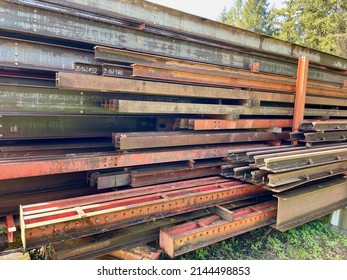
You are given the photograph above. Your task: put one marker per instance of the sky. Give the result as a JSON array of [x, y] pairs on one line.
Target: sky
[[204, 8]]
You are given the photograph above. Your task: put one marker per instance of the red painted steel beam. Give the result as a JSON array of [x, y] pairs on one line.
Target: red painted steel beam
[[54, 226], [300, 95], [177, 240], [30, 167], [10, 228]]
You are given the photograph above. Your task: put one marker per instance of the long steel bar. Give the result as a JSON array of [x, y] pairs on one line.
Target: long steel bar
[[306, 174], [131, 141], [293, 162], [25, 54], [153, 107], [322, 126], [57, 165], [97, 245], [84, 220], [14, 127], [205, 124], [325, 136], [177, 240], [120, 55], [191, 76], [119, 195], [155, 15], [303, 205], [78, 25], [300, 93]]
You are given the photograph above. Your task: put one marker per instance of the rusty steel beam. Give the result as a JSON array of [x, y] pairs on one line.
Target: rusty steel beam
[[299, 206], [323, 126], [205, 124], [83, 220], [10, 228], [95, 161], [119, 195], [306, 174], [177, 240], [154, 107], [82, 82], [314, 137], [103, 243], [143, 140], [300, 93], [191, 76], [125, 56]]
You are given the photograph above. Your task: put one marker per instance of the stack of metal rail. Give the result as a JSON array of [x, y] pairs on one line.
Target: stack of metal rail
[[105, 96]]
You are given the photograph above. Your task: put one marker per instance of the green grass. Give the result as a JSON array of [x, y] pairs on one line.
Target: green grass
[[312, 241]]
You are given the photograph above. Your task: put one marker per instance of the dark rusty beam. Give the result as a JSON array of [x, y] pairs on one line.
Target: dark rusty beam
[[180, 239], [95, 161], [83, 220], [299, 206], [143, 140], [215, 124], [323, 126]]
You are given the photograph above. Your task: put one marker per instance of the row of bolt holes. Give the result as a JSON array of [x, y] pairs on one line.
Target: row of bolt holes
[[219, 229], [97, 220]]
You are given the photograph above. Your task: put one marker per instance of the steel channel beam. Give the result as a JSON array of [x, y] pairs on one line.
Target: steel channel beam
[[203, 124], [260, 159], [119, 195], [159, 16], [14, 127], [177, 240], [132, 141], [82, 82], [306, 174], [75, 25], [191, 76], [104, 243], [325, 136], [323, 126], [281, 149], [293, 162], [300, 93], [303, 205], [152, 107], [125, 56], [22, 54], [95, 161], [139, 179], [84, 220]]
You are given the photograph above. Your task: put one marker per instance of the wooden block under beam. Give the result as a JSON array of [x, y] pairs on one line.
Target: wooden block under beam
[[142, 252]]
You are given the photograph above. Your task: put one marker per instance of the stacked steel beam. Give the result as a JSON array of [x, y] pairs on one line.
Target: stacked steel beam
[[98, 96]]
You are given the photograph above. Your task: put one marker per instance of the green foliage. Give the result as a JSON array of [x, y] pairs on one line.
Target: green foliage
[[312, 241], [253, 15], [318, 24]]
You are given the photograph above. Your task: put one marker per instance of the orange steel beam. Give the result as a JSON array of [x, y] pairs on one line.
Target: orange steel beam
[[300, 95], [152, 72], [10, 228], [30, 167], [203, 124], [177, 240], [54, 226]]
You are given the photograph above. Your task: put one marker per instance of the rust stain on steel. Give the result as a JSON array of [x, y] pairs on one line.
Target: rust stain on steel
[[84, 220], [10, 228], [146, 71], [57, 165], [117, 195], [203, 124], [299, 206], [129, 141], [177, 240], [300, 95]]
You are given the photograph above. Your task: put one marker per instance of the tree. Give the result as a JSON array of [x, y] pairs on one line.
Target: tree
[[318, 24], [253, 15]]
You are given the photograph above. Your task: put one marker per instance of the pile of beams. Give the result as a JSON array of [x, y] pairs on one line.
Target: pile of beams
[[117, 114]]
